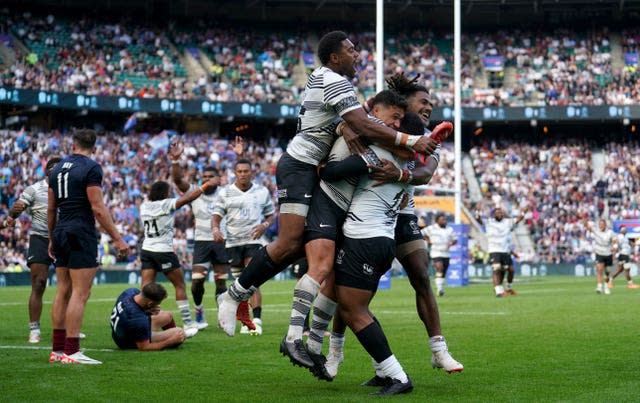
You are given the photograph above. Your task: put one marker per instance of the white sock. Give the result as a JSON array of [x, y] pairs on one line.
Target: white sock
[[439, 283], [499, 289], [391, 367], [183, 307], [323, 310], [378, 369], [303, 295], [336, 342]]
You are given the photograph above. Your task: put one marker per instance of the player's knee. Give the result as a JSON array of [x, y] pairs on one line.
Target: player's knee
[[38, 285]]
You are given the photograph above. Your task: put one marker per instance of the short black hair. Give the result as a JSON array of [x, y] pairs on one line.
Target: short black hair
[[390, 98], [440, 215], [211, 169], [243, 161], [412, 124], [159, 191], [51, 163], [155, 292], [330, 43], [405, 87], [85, 139]]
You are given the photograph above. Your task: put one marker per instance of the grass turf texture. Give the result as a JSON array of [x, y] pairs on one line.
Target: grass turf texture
[[556, 341]]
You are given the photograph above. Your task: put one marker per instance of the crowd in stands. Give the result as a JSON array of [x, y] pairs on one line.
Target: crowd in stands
[[557, 187], [555, 184], [554, 67], [130, 165]]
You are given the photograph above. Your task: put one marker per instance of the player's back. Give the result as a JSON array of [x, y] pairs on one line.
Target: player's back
[[157, 218], [69, 181], [327, 96], [374, 209]]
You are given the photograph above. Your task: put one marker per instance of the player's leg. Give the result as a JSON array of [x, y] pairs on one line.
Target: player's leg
[[81, 283], [320, 254], [608, 262], [438, 265], [58, 313], [162, 320], [256, 299], [416, 264], [354, 309], [626, 266], [236, 259], [198, 278], [39, 275], [497, 275], [599, 275], [176, 277], [511, 271]]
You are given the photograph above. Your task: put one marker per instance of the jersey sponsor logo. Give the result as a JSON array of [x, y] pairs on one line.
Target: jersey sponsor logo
[[367, 269], [166, 265]]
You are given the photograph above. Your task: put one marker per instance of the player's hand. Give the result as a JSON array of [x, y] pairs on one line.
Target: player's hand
[[425, 145], [121, 248], [50, 251], [9, 222], [237, 145], [356, 146], [213, 182], [218, 237], [405, 201], [180, 336], [258, 230], [387, 173], [175, 150]]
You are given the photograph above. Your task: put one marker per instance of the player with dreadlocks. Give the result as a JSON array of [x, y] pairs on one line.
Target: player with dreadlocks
[[410, 246]]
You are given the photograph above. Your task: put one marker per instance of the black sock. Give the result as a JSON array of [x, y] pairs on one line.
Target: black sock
[[375, 342], [197, 291], [260, 269], [257, 311]]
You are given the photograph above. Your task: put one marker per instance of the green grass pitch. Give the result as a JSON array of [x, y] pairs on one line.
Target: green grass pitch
[[557, 341]]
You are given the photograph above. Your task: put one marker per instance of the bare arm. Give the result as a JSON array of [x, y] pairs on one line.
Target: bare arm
[[195, 193], [359, 121], [174, 339], [175, 151], [51, 219], [18, 207], [259, 229], [423, 174], [216, 219]]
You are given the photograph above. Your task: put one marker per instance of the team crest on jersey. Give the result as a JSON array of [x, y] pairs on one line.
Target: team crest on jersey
[[340, 256], [367, 269], [414, 227]]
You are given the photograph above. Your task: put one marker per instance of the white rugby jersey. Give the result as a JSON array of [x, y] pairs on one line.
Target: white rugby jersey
[[327, 96], [499, 235], [374, 210], [440, 239], [243, 210], [341, 192], [603, 241], [624, 246], [203, 208], [157, 218], [36, 198], [411, 165]]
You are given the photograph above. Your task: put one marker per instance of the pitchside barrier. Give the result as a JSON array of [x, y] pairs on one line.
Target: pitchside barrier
[[474, 271]]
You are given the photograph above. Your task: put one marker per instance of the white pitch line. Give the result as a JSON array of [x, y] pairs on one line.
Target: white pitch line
[[108, 350]]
